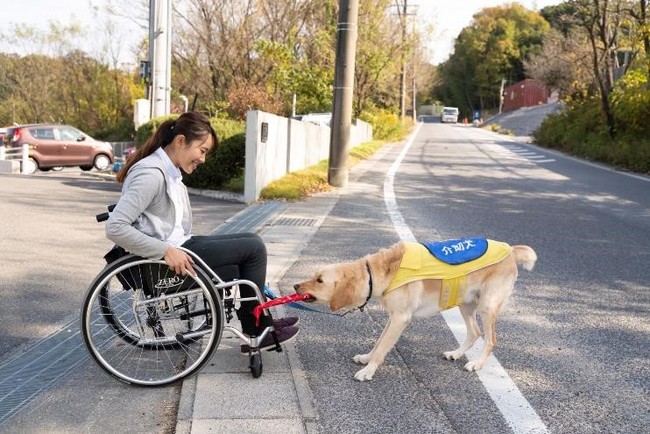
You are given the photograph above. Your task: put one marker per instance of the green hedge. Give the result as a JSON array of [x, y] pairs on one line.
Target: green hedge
[[146, 130], [580, 130], [225, 128], [385, 125]]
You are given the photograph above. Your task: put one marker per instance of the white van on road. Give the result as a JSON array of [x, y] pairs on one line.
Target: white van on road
[[449, 114]]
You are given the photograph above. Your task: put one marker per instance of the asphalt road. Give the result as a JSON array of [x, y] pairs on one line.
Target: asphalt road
[[575, 338], [525, 121]]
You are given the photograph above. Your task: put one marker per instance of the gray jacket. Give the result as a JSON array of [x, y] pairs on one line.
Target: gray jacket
[[145, 215]]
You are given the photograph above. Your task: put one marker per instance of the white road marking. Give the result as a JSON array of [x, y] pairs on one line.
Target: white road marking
[[516, 153], [517, 412]]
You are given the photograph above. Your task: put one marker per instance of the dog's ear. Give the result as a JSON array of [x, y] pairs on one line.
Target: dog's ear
[[342, 296]]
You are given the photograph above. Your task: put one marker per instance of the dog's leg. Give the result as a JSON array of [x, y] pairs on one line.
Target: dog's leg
[[473, 332], [488, 319], [391, 334], [363, 359]]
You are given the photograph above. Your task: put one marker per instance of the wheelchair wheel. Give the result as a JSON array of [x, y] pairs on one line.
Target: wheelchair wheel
[[147, 326]]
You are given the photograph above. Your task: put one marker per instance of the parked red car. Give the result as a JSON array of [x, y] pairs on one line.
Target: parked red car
[[53, 145]]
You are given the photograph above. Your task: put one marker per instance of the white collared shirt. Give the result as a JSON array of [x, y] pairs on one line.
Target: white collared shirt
[[178, 236]]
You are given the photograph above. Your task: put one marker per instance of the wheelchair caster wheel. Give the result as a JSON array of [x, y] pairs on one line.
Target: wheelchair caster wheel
[[256, 365]]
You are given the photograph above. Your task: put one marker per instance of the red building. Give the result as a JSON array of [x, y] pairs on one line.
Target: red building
[[526, 93]]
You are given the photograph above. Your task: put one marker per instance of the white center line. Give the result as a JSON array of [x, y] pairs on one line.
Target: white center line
[[517, 412]]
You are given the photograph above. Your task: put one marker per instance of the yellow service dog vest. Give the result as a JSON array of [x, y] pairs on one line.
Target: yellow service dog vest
[[419, 264]]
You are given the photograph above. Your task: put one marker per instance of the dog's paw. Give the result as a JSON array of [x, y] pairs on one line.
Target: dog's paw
[[361, 359], [364, 374], [473, 365], [452, 355]]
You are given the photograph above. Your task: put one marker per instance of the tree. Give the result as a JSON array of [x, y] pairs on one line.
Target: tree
[[218, 43], [603, 20], [640, 15], [493, 47], [66, 86], [561, 63], [293, 74]]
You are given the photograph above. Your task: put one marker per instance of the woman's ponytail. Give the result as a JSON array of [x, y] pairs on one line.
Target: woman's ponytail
[[192, 125]]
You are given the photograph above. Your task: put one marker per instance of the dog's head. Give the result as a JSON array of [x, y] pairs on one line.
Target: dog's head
[[347, 285], [337, 285]]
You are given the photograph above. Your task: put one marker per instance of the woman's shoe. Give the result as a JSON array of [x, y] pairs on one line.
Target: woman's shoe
[[284, 335], [287, 321]]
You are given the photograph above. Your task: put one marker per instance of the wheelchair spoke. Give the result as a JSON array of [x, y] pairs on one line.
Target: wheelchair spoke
[[147, 326]]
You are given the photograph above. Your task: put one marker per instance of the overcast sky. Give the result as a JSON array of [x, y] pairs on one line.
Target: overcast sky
[[447, 17]]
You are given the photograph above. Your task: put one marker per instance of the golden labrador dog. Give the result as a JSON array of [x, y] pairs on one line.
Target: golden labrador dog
[[481, 288]]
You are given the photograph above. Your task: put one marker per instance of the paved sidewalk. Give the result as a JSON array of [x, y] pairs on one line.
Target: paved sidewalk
[[224, 397]]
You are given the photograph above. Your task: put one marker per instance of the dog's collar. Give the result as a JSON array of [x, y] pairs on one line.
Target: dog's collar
[[369, 287]]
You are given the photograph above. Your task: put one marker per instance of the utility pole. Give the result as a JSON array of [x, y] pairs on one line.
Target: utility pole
[[503, 85], [160, 56], [414, 99], [402, 74], [346, 45], [403, 13]]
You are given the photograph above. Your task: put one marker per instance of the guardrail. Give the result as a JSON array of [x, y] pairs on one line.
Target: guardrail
[[16, 154], [119, 147]]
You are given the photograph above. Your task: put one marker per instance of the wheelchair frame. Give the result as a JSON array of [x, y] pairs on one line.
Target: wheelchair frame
[[133, 304]]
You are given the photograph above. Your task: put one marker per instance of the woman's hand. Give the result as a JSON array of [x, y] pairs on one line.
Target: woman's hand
[[179, 261]]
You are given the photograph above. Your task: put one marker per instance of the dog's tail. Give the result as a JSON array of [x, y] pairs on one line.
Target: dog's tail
[[525, 256]]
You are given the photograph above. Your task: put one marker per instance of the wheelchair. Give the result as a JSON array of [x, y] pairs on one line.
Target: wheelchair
[[148, 326]]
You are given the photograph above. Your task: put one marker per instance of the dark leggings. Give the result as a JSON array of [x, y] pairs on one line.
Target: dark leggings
[[236, 256]]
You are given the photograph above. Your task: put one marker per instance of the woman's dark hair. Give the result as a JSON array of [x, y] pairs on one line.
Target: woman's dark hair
[[192, 125]]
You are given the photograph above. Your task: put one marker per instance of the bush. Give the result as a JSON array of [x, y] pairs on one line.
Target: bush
[[225, 128], [580, 130], [385, 125], [121, 131], [245, 96], [577, 130], [631, 103], [146, 130]]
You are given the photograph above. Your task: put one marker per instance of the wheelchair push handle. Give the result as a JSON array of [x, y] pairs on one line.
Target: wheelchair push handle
[[104, 216]]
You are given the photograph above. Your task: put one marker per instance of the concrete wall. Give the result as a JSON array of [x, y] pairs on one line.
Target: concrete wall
[[276, 146]]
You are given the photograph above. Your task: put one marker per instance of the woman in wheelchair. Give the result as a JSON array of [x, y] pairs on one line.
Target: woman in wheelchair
[[153, 218]]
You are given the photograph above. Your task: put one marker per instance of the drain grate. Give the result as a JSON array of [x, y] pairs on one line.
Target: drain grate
[[251, 219], [285, 221]]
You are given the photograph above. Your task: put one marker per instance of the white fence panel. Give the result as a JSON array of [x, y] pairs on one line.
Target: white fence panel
[[276, 146], [13, 159]]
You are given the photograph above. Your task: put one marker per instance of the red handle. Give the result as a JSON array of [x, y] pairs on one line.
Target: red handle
[[257, 311]]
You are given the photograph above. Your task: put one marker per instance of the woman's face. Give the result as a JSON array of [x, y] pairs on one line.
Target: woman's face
[[188, 156]]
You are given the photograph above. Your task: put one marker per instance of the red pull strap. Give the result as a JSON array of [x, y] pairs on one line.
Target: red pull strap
[[257, 311]]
